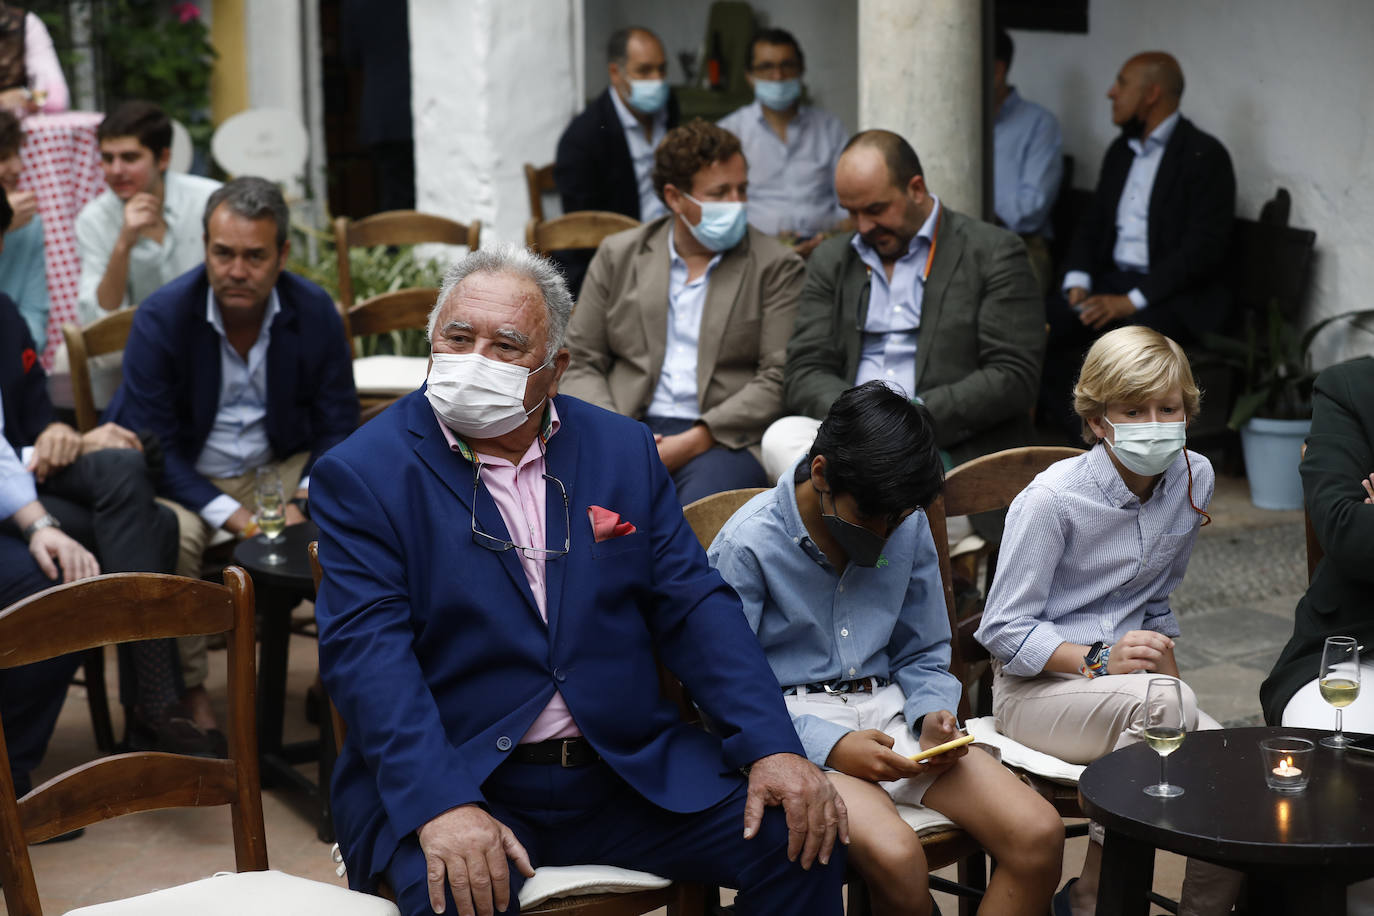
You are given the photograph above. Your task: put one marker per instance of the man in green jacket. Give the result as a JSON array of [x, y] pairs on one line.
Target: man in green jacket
[[941, 305]]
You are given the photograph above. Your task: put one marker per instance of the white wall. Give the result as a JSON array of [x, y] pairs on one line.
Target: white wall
[[826, 29], [492, 88], [1286, 87]]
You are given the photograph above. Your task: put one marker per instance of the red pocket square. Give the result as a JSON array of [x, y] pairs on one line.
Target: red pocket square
[[607, 524], [28, 358]]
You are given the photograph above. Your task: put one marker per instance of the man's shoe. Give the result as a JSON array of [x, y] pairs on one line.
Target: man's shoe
[[1060, 905], [177, 733]]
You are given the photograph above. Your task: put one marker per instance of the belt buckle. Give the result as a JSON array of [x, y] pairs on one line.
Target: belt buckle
[[836, 691], [563, 755]]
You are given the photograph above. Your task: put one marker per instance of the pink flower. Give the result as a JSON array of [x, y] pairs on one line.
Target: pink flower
[[186, 12]]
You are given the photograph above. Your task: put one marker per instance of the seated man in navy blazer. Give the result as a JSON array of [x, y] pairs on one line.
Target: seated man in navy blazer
[[502, 566], [236, 365]]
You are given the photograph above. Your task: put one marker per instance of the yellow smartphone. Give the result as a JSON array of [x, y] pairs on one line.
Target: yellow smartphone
[[941, 748]]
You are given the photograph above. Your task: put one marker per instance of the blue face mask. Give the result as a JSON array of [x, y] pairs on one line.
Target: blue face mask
[[723, 223], [777, 94], [648, 96]]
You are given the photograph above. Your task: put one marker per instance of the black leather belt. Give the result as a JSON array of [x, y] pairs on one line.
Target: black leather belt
[[861, 685], [565, 752]]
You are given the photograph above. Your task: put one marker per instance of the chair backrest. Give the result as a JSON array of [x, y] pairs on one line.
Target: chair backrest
[[538, 182], [710, 513], [108, 334], [118, 608], [581, 229], [397, 310], [396, 227], [986, 483]]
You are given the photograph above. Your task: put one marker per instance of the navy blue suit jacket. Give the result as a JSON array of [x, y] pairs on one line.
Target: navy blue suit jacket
[[23, 383], [434, 651], [172, 379]]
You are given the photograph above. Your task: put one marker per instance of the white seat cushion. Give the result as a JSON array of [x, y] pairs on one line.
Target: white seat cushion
[[1015, 754], [576, 880], [389, 375], [261, 893], [923, 820]]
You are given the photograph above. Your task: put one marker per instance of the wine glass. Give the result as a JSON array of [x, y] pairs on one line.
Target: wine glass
[[1339, 681], [271, 512], [1164, 728]]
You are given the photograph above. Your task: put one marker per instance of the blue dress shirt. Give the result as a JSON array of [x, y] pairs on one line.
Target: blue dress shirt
[[1132, 249], [642, 154], [24, 278], [792, 183], [1084, 560], [817, 625], [893, 324], [676, 395], [17, 489], [1028, 163]]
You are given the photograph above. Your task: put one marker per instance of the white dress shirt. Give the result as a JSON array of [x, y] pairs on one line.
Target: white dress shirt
[[675, 395], [151, 264], [1132, 249], [893, 323], [791, 184], [642, 154]]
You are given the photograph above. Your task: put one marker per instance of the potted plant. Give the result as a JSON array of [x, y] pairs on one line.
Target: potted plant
[[1274, 409]]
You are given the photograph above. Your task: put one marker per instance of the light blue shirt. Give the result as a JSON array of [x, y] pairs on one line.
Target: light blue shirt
[[817, 625], [1132, 249], [1083, 560], [892, 327], [792, 183], [238, 439], [17, 489], [675, 395], [642, 154], [1028, 163], [24, 278]]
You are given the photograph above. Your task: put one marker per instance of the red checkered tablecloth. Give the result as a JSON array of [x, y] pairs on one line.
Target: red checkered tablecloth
[[62, 165]]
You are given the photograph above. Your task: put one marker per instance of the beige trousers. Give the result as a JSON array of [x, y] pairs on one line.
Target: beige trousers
[[195, 536]]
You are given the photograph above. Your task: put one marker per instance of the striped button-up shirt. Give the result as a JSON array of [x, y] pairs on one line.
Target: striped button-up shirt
[[1084, 560]]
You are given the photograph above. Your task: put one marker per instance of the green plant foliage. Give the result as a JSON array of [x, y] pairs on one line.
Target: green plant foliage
[[374, 271]]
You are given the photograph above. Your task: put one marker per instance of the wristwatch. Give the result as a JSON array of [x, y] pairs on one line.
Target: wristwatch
[[1095, 662], [46, 520]]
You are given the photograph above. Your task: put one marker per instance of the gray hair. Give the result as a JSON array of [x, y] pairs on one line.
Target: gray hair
[[521, 262], [251, 198]]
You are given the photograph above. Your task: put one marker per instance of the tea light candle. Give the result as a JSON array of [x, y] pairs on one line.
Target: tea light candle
[[1286, 763], [1286, 768]]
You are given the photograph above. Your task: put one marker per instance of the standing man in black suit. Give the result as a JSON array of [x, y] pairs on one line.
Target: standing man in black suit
[[605, 158], [1152, 246]]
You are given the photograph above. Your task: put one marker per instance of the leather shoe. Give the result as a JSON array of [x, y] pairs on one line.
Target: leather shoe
[[176, 733], [1060, 905]]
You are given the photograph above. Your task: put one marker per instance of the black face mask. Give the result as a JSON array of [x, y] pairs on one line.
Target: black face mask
[[1133, 129], [863, 546]]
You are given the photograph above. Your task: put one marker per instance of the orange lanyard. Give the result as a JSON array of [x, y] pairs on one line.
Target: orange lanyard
[[934, 237]]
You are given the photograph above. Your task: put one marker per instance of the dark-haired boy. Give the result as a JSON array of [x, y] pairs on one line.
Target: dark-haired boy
[[144, 230], [839, 578]]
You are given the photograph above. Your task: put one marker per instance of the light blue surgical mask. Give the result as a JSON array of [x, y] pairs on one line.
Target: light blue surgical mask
[[777, 94], [1147, 448], [723, 223], [648, 96]]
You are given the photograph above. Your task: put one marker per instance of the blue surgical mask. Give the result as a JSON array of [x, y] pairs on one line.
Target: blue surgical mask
[[648, 96], [723, 223], [778, 94]]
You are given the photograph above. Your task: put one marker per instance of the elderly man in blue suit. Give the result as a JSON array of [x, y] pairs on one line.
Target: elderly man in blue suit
[[502, 564], [234, 366]]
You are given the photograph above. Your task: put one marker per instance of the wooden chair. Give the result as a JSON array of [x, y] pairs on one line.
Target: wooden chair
[[583, 229], [107, 334], [380, 380], [124, 607], [678, 899], [396, 227], [944, 847], [538, 182]]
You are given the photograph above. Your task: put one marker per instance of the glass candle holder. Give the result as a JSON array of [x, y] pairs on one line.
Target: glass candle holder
[[1287, 763]]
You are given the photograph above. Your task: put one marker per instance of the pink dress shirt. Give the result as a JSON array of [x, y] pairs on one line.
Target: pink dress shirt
[[518, 491]]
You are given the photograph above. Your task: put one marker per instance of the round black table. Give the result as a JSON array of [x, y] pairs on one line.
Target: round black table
[[1299, 851], [278, 589]]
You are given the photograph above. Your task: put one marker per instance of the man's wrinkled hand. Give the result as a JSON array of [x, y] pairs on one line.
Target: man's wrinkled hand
[[56, 447], [468, 847], [51, 548], [815, 812], [109, 435], [1100, 311], [868, 754]]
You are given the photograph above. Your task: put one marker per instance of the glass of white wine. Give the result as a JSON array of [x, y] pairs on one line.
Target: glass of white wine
[[1339, 681], [1164, 728], [271, 512]]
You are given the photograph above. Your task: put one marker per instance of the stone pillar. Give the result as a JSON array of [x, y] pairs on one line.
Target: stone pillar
[[921, 75], [493, 86]]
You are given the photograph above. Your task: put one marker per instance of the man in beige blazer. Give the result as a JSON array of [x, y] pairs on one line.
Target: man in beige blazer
[[683, 322]]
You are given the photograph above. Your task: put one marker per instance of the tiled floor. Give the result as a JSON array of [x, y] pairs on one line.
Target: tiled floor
[[1234, 608]]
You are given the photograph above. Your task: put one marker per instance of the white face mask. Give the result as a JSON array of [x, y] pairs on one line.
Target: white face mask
[[1147, 448], [479, 398]]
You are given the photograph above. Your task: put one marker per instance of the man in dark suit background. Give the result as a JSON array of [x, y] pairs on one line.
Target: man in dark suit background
[[605, 157], [1152, 246]]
